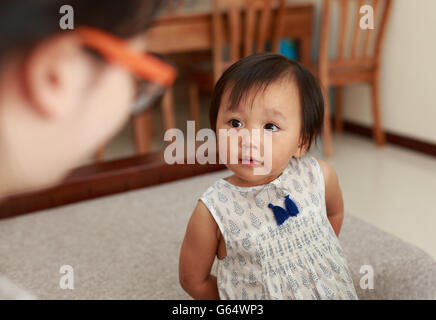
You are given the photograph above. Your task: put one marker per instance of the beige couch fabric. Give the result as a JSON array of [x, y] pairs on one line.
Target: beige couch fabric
[[126, 247]]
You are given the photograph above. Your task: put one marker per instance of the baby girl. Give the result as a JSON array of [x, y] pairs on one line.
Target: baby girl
[[274, 234]]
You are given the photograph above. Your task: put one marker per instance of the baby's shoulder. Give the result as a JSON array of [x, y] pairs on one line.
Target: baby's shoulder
[[216, 187], [327, 172], [304, 165], [308, 168], [304, 161], [217, 193]]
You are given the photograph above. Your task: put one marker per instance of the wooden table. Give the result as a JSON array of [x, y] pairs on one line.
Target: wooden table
[[187, 30]]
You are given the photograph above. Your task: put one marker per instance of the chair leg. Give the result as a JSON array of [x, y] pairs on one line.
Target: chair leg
[[143, 131], [327, 135], [378, 134], [194, 104], [168, 109], [339, 125]]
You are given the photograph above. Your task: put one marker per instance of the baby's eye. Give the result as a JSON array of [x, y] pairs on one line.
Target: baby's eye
[[271, 126], [235, 123]]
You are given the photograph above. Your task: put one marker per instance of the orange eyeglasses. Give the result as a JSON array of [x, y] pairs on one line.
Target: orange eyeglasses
[[153, 75]]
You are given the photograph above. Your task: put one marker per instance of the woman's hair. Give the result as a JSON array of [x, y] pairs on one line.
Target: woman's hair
[[258, 72], [24, 23]]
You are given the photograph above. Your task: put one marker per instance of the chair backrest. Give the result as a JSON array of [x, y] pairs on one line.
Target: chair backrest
[[235, 21], [355, 46]]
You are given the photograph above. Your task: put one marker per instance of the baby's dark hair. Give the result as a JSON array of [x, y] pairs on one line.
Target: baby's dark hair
[[258, 72]]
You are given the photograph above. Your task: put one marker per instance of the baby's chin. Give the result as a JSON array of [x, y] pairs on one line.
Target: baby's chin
[[247, 174]]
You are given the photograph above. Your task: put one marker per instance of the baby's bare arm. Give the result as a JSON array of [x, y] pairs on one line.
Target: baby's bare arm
[[197, 255], [333, 196]]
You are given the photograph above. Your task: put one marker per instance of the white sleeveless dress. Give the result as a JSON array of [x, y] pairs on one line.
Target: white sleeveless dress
[[300, 259]]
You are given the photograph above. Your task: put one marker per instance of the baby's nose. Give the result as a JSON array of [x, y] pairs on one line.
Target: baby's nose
[[246, 145], [253, 143]]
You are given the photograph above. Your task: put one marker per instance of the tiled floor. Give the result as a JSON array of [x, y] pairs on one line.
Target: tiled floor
[[391, 188]]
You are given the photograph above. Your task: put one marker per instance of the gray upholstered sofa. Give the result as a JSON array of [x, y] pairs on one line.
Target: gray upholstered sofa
[[126, 247]]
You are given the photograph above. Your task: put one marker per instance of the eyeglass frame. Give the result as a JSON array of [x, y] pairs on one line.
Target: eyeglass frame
[[153, 75]]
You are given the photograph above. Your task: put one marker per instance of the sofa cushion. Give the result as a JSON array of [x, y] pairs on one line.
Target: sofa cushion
[[127, 246]]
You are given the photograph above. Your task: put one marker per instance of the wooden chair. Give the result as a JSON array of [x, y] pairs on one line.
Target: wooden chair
[[143, 123], [360, 64], [172, 5], [234, 23]]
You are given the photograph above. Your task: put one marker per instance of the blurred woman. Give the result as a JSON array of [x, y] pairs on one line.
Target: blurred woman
[[64, 93]]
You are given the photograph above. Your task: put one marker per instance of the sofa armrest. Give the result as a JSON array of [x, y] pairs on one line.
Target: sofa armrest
[[401, 270]]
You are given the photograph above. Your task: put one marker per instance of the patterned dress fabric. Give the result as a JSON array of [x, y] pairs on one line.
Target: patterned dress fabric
[[300, 259]]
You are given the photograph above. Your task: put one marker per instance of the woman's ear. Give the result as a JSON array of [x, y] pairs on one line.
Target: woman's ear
[[54, 76]]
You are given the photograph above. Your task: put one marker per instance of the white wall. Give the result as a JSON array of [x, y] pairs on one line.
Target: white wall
[[408, 73]]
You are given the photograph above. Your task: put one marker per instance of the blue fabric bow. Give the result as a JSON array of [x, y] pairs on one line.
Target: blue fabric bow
[[281, 214]]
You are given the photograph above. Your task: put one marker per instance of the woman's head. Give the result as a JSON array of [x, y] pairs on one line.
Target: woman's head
[[58, 102], [272, 93], [24, 23]]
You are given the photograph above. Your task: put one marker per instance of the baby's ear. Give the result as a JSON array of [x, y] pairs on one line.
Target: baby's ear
[[302, 148]]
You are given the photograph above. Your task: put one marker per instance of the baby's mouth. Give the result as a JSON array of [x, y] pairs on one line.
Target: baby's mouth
[[250, 161]]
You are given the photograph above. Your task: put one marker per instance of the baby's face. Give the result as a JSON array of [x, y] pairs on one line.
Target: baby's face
[[275, 112]]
